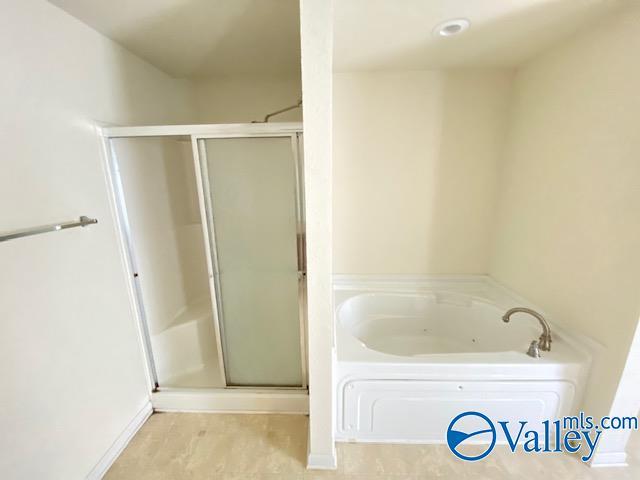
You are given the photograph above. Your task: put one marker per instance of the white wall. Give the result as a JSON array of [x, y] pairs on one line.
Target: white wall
[[626, 401], [242, 99], [70, 361], [567, 231], [415, 169], [316, 38]]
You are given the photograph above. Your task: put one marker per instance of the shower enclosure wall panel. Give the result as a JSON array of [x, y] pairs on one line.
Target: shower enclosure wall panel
[[157, 178]]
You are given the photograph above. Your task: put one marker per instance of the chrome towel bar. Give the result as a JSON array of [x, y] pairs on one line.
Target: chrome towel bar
[[81, 222]]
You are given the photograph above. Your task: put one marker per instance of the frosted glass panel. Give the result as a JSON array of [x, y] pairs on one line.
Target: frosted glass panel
[[158, 183], [252, 184]]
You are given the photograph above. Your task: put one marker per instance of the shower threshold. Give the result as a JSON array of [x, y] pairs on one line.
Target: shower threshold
[[231, 400]]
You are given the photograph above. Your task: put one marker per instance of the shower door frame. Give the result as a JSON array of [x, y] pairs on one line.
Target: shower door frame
[[204, 193], [198, 133]]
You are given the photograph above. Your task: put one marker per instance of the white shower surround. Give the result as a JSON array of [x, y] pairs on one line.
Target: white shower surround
[[394, 383]]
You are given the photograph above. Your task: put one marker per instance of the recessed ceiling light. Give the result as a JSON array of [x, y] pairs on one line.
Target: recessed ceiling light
[[451, 27]]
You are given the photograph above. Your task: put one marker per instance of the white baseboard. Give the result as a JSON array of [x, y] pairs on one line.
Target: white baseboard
[[609, 459], [322, 461], [232, 401], [120, 443]]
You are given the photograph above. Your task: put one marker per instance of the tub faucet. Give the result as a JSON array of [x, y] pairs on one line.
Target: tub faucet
[[544, 343], [534, 349]]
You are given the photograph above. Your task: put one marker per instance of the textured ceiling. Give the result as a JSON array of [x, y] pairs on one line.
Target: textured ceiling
[[397, 34], [200, 38]]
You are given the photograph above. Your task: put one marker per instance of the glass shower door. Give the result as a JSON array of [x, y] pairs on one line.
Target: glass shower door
[[252, 191]]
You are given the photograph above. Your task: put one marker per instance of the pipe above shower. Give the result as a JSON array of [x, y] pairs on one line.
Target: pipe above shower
[[278, 112]]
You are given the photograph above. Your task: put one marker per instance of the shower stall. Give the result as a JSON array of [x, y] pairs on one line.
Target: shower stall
[[212, 230]]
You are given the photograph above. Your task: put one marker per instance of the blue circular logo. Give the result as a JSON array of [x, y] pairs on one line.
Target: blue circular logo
[[470, 424]]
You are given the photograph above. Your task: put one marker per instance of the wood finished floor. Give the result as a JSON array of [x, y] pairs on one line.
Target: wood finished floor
[[193, 446]]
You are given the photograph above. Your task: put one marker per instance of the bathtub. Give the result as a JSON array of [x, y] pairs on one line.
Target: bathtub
[[413, 353]]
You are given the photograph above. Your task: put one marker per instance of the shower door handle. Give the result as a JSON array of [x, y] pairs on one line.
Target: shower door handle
[[302, 255]]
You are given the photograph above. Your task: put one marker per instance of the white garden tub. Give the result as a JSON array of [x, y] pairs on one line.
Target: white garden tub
[[412, 354]]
